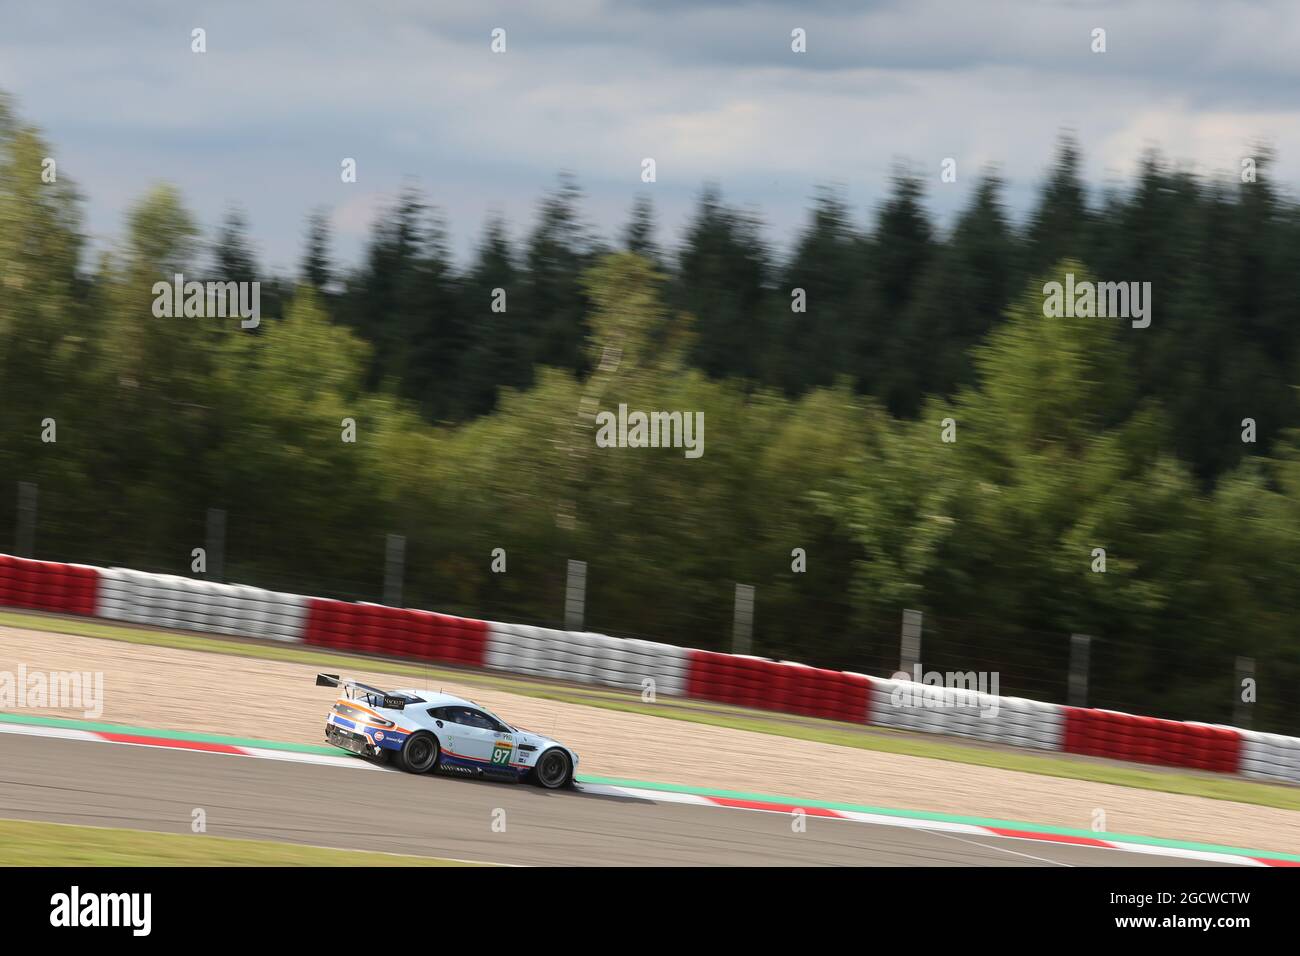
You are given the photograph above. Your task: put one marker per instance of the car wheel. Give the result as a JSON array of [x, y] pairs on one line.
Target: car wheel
[[553, 769], [419, 753]]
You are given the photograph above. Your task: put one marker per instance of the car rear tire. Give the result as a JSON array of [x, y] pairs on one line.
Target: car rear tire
[[419, 754], [553, 770]]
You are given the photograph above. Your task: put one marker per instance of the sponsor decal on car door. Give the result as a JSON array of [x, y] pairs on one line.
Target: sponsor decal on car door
[[503, 750]]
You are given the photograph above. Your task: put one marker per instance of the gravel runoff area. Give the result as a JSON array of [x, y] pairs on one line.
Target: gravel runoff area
[[159, 687]]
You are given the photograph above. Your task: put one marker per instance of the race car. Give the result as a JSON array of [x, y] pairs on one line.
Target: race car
[[422, 731]]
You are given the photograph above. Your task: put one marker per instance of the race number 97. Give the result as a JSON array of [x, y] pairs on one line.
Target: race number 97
[[501, 753]]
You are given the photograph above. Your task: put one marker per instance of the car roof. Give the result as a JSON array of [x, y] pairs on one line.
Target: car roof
[[439, 699]]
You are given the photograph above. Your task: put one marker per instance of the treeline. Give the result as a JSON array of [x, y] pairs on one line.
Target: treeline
[[894, 308], [825, 430]]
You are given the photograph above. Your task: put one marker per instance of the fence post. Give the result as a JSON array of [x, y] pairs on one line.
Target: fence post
[[575, 595], [1241, 708], [215, 544], [25, 535], [742, 620], [1080, 653], [394, 563], [909, 651]]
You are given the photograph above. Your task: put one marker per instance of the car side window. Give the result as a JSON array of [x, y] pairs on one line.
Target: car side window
[[456, 715], [465, 716], [476, 718]]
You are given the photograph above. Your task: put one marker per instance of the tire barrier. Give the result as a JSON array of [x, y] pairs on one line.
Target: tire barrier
[[588, 658], [163, 600], [1270, 756], [166, 600], [1168, 743], [779, 685], [48, 585], [390, 631], [1004, 720]]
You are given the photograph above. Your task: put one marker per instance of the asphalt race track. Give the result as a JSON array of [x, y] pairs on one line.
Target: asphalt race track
[[71, 781]]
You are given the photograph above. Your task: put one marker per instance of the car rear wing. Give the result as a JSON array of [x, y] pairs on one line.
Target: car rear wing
[[353, 689]]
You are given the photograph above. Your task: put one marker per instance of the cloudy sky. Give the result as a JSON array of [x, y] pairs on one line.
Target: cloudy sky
[[709, 88]]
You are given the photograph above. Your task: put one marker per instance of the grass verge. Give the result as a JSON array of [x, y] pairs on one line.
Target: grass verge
[[1213, 786], [29, 843]]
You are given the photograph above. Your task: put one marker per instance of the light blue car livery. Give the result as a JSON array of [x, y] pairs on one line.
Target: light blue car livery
[[423, 731]]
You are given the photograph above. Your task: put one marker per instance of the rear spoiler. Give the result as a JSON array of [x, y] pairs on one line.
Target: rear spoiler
[[390, 701]]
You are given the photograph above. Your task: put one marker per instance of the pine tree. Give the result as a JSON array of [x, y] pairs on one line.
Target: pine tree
[[900, 249], [315, 269], [496, 307], [722, 280], [639, 233], [824, 275], [559, 250]]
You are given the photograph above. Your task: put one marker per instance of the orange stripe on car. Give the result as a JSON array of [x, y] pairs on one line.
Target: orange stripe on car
[[356, 706], [360, 723]]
